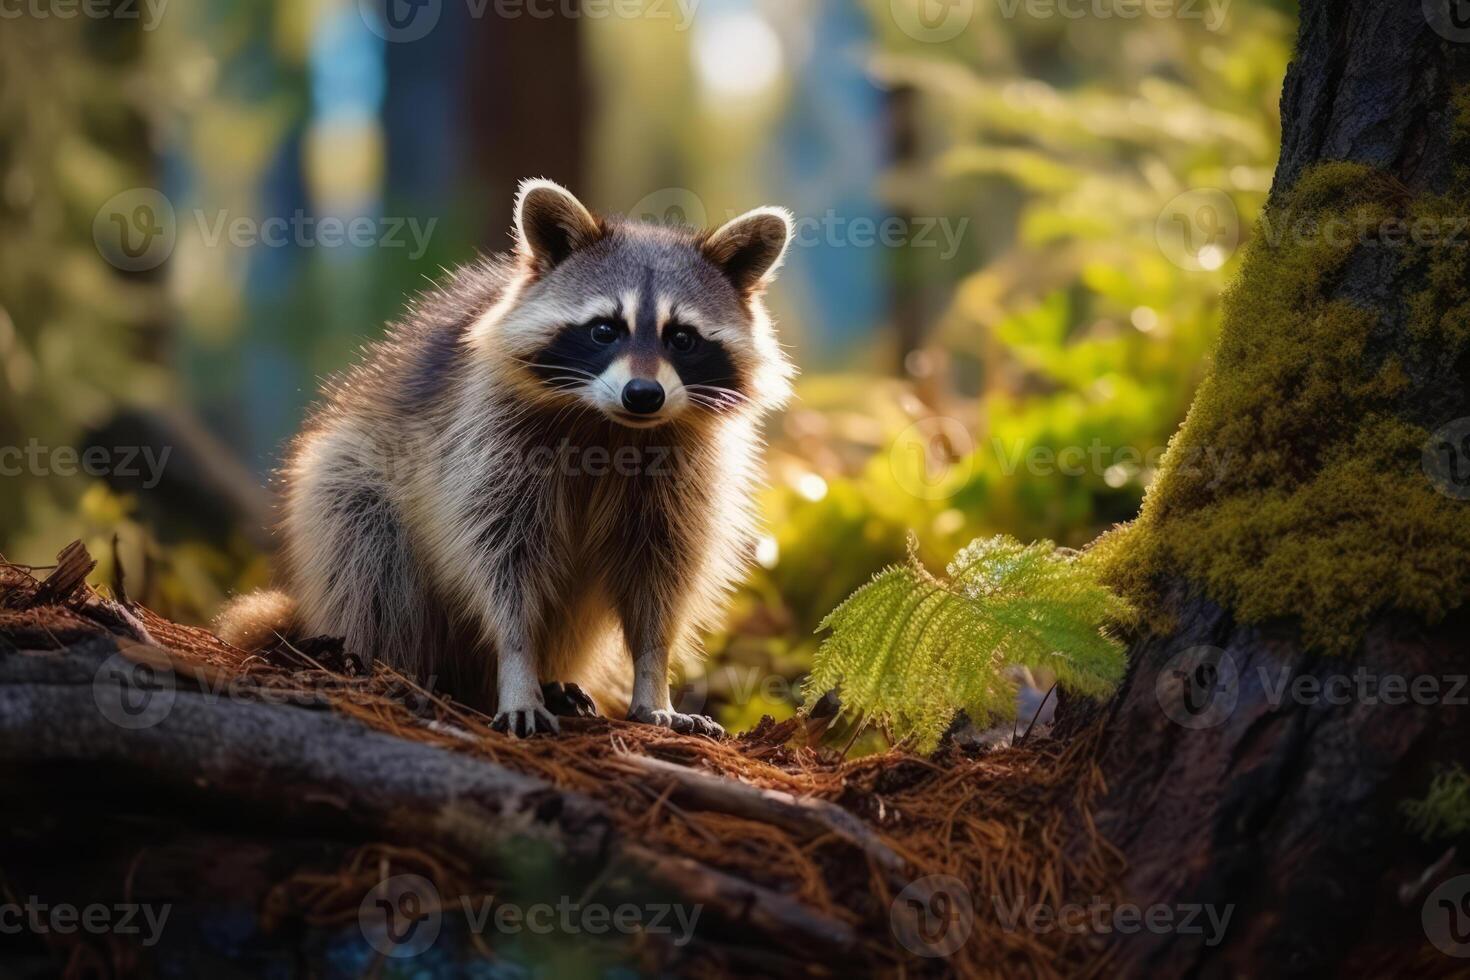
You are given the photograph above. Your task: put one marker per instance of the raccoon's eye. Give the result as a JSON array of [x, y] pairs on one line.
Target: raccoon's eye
[[683, 340], [604, 333]]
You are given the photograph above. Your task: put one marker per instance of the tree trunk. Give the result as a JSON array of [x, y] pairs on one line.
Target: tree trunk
[[520, 130], [1222, 790]]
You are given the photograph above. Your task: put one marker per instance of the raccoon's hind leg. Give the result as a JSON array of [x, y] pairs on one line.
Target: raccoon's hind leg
[[353, 566], [571, 649], [520, 705]]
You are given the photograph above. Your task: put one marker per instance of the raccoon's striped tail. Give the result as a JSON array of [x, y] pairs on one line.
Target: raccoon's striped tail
[[258, 620]]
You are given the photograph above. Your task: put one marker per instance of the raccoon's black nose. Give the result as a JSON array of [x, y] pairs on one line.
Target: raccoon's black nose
[[643, 397]]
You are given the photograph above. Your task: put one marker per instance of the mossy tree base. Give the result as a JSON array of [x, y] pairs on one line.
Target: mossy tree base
[[1288, 811]]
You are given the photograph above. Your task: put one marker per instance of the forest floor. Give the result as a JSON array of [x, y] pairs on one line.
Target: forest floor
[[799, 860]]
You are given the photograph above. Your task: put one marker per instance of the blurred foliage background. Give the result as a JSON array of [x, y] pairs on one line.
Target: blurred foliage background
[[1015, 220]]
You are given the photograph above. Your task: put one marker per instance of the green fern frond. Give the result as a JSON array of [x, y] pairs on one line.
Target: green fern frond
[[909, 649], [1445, 810]]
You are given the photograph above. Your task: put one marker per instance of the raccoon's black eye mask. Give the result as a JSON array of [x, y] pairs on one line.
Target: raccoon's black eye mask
[[707, 362], [590, 348], [581, 347]]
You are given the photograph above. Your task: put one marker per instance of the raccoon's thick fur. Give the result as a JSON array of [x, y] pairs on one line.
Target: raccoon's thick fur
[[544, 473]]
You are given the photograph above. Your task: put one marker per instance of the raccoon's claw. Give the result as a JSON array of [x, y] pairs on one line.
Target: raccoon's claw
[[525, 722], [679, 722], [568, 701]]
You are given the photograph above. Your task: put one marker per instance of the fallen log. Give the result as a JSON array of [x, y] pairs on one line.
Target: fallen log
[[299, 768]]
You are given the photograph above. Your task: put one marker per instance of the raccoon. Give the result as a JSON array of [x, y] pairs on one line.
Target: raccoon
[[540, 483]]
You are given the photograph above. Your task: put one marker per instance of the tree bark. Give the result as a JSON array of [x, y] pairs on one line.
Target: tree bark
[[1287, 811], [521, 129]]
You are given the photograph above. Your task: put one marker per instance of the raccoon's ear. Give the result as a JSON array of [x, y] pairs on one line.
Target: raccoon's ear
[[749, 249], [551, 224]]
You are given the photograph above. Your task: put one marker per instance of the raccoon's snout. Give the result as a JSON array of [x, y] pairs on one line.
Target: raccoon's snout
[[643, 397]]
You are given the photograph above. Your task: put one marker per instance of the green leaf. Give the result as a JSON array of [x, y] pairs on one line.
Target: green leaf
[[909, 649]]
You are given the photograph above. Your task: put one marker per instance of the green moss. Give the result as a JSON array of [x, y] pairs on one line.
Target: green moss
[[1445, 810], [1294, 489]]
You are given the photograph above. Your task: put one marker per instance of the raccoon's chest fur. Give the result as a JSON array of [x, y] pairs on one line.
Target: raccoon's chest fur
[[574, 502]]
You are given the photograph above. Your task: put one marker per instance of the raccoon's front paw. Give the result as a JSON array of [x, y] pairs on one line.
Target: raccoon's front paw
[[679, 722], [525, 721], [568, 700]]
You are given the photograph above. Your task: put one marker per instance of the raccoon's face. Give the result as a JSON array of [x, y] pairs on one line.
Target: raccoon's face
[[641, 323]]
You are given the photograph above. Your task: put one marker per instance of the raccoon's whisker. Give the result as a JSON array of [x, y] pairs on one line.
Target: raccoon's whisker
[[710, 404], [554, 367], [721, 391], [695, 397], [579, 377], [716, 398]]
